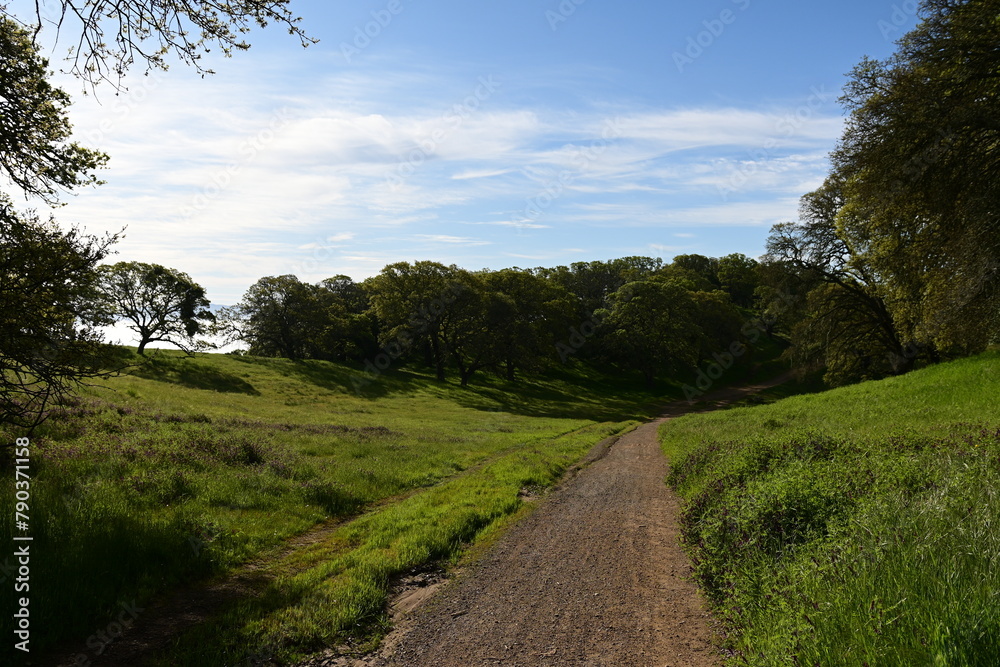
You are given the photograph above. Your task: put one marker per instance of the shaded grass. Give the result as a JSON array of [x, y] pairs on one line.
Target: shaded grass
[[338, 590], [189, 467], [192, 374], [796, 386], [853, 527]]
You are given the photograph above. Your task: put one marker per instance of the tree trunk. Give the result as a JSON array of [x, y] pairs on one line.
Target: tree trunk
[[438, 358], [464, 372], [143, 340]]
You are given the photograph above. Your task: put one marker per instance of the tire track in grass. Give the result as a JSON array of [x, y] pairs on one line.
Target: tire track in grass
[[170, 615], [595, 576]]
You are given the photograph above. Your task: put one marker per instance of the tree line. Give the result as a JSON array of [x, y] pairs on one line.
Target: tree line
[[893, 263], [637, 312], [463, 322], [897, 255]]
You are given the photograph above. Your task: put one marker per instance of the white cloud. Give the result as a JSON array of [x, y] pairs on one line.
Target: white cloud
[[510, 223], [535, 258], [664, 249], [735, 214], [455, 240], [480, 173], [246, 176]]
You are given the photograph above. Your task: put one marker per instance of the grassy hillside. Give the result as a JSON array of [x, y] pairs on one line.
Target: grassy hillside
[[859, 526], [190, 467]]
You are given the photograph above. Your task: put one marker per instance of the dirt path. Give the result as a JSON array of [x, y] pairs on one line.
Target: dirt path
[[596, 576], [174, 612]]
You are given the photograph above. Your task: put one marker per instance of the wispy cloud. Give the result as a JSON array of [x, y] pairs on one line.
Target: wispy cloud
[[245, 178]]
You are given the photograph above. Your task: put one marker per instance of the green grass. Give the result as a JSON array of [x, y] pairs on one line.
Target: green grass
[[190, 467], [853, 527], [338, 592]]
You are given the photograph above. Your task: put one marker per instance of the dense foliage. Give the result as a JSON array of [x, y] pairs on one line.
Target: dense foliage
[[900, 248], [48, 338], [650, 319]]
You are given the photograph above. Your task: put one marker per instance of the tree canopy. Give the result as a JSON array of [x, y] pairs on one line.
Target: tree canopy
[[50, 274], [919, 164], [899, 251], [653, 325], [160, 305], [107, 37], [36, 154], [500, 322]]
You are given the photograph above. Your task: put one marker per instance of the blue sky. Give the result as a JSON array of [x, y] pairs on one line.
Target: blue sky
[[486, 134]]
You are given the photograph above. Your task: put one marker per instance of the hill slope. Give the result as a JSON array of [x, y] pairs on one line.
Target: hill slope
[[189, 468], [857, 526]]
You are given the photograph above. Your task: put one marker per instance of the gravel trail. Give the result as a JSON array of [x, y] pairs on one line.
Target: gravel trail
[[594, 577]]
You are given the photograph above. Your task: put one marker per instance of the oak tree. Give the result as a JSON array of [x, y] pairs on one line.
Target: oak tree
[[49, 341], [160, 305], [651, 327], [920, 165]]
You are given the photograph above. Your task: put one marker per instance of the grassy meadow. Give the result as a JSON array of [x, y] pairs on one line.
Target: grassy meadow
[[188, 468], [859, 526]]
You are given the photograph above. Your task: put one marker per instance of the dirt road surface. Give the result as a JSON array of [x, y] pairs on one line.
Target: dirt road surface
[[594, 577]]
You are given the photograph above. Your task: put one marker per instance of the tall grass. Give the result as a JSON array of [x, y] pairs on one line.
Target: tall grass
[[855, 527], [338, 590], [190, 467]]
